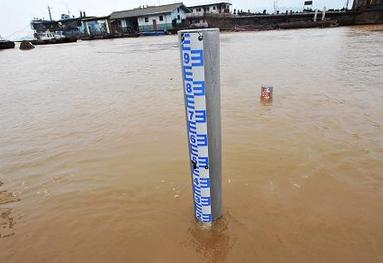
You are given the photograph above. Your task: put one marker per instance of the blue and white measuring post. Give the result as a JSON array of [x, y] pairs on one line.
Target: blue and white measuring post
[[200, 56]]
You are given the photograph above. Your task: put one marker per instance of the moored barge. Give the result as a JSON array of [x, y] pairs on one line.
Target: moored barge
[[6, 44]]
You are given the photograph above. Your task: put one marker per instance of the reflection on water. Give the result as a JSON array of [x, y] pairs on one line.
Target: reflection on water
[[6, 197], [211, 242], [92, 140]]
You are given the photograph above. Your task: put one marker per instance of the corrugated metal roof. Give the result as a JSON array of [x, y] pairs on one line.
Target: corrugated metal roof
[[162, 9]]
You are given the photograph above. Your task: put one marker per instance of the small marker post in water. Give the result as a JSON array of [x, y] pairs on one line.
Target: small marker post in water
[[267, 94], [200, 57]]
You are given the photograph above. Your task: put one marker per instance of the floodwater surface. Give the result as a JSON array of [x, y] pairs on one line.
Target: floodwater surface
[[94, 159]]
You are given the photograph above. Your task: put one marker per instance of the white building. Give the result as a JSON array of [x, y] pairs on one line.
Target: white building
[[149, 18], [212, 8]]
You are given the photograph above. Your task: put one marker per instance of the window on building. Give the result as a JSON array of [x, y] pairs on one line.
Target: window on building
[[161, 18], [178, 9], [213, 7], [146, 19], [208, 9], [178, 17]]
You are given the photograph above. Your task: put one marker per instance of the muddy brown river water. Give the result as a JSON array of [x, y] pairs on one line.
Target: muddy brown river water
[[93, 153]]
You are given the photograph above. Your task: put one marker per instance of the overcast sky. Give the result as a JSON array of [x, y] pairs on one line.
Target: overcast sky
[[15, 15]]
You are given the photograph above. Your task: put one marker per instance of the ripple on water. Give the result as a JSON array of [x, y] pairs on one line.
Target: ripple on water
[[6, 218]]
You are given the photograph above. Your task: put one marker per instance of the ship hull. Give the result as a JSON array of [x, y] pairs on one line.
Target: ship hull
[[7, 44], [53, 41]]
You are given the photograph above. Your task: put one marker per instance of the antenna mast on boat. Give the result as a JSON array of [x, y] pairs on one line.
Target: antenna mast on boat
[[347, 3], [67, 8], [50, 13], [275, 6]]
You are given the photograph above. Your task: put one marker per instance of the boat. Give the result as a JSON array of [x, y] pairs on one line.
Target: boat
[[6, 44], [49, 38], [154, 33]]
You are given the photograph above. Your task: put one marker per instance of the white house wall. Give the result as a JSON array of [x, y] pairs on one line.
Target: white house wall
[[166, 24], [202, 12]]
